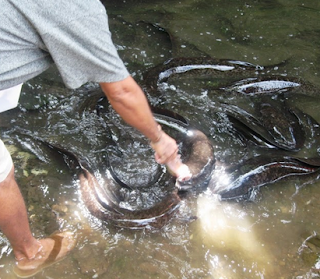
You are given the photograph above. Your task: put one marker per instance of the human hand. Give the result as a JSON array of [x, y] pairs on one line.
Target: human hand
[[166, 152], [178, 169]]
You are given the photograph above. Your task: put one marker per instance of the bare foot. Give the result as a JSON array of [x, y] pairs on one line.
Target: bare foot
[[54, 248]]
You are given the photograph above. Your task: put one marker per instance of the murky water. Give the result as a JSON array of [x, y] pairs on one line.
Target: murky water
[[276, 236]]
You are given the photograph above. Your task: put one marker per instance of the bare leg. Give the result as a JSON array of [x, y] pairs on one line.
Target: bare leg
[[30, 253], [14, 220]]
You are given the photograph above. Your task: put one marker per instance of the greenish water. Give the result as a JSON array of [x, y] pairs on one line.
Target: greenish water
[[274, 237]]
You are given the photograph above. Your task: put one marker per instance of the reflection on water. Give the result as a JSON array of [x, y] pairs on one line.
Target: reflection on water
[[231, 239], [274, 237]]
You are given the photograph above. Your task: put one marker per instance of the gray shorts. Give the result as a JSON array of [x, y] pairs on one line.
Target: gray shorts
[[6, 163]]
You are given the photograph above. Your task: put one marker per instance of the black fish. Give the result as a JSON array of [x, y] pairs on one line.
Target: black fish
[[243, 179], [197, 150], [101, 196], [254, 86], [195, 67], [101, 206], [278, 126], [199, 157], [104, 204]]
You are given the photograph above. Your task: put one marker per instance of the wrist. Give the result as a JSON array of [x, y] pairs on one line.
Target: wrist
[[159, 135]]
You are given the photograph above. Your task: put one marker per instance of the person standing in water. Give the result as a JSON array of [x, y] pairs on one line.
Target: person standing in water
[[74, 35]]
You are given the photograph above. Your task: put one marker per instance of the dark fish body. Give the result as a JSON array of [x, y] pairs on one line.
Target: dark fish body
[[195, 67], [103, 204], [101, 196], [254, 86], [257, 172], [269, 123], [266, 120], [272, 85], [197, 149], [278, 127], [199, 157], [100, 206]]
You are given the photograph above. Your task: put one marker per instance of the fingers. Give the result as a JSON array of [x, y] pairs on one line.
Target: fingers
[[166, 157], [175, 166], [166, 149]]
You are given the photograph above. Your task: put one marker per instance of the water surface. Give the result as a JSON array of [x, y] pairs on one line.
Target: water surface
[[276, 236]]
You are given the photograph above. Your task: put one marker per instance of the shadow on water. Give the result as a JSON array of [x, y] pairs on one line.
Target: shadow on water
[[275, 236]]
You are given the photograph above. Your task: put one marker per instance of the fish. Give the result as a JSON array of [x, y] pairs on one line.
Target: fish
[[242, 180], [199, 156], [197, 151], [274, 124], [100, 193], [101, 206], [103, 203], [255, 86], [186, 67]]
